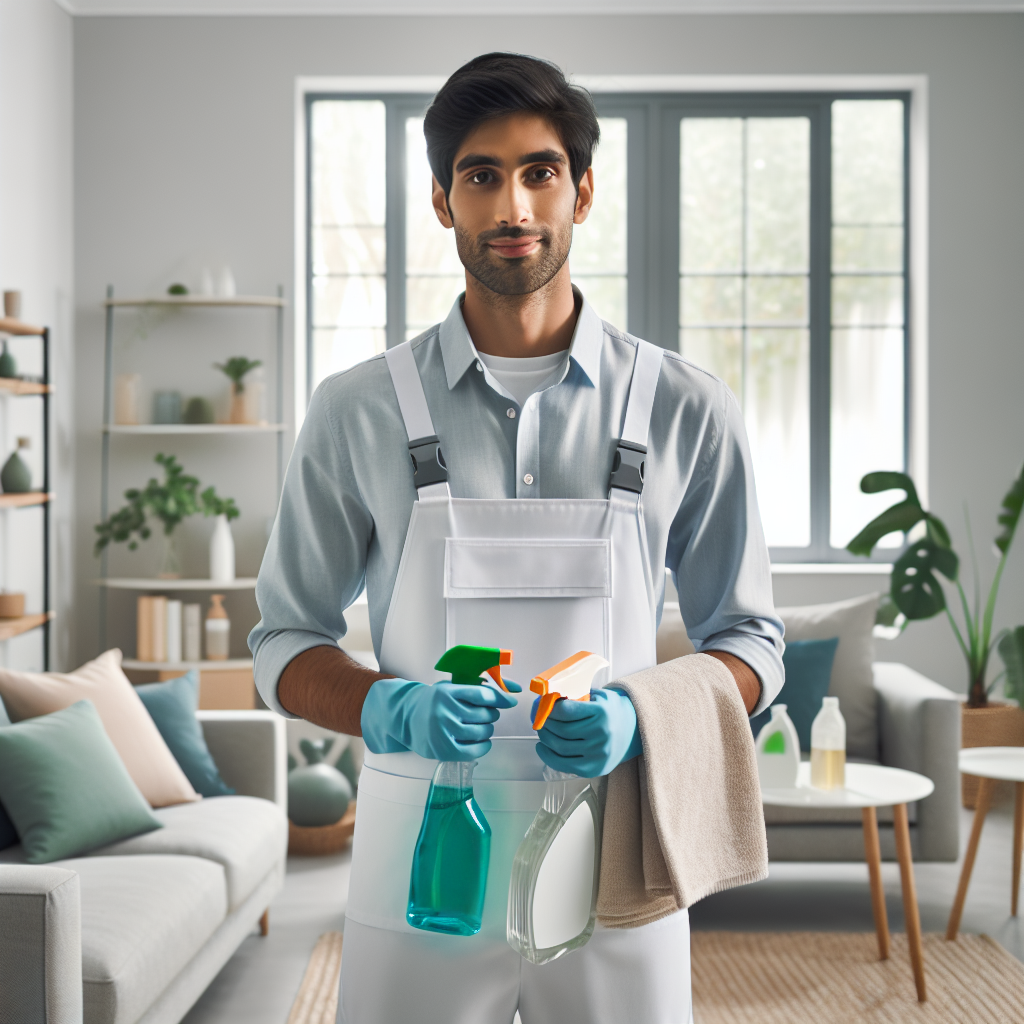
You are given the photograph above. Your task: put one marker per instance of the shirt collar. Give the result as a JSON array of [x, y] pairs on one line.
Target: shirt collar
[[459, 353]]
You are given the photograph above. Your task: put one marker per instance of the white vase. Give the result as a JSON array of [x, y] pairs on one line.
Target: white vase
[[222, 552]]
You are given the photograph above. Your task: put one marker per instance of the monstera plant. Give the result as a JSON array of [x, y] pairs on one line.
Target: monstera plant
[[918, 592]]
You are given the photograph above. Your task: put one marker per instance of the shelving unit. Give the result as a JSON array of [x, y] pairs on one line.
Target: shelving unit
[[223, 684], [16, 388]]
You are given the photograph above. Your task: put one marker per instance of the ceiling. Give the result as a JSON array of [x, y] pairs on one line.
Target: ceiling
[[533, 7]]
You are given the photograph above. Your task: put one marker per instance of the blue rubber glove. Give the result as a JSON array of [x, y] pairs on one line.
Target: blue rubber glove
[[590, 737], [443, 722]]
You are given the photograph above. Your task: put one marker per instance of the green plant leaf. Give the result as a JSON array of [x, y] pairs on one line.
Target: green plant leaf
[[887, 612], [311, 751], [1010, 516], [915, 590], [937, 531], [897, 518], [1011, 650], [874, 483]]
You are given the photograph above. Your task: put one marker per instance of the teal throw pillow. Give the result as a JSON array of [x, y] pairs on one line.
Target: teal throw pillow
[[8, 833], [808, 665], [65, 787], [172, 706]]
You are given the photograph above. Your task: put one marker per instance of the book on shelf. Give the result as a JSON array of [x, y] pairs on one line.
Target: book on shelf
[[158, 629]]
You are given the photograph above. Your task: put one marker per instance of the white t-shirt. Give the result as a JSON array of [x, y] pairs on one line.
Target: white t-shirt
[[521, 377]]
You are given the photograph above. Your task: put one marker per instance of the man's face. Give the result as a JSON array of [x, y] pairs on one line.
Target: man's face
[[513, 204]]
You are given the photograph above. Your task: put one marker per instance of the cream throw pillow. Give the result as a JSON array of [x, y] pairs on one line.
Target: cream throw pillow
[[125, 719]]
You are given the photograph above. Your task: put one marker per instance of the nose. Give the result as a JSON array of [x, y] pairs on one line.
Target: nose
[[513, 209]]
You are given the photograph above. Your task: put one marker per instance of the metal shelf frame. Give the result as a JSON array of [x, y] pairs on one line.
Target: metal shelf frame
[[16, 388], [277, 304]]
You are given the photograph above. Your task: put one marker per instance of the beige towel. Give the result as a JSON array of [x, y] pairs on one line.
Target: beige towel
[[684, 820]]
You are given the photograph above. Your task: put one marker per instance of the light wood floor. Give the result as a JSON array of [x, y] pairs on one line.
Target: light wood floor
[[258, 984]]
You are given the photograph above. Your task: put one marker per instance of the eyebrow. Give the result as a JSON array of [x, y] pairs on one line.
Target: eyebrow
[[542, 156]]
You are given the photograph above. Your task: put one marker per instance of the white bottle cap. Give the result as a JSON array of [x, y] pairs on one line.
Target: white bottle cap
[[830, 702]]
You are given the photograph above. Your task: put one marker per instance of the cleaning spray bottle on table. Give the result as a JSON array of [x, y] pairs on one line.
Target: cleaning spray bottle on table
[[449, 865], [552, 897]]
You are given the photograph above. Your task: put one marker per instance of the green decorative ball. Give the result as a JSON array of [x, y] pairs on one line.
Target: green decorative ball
[[317, 795], [177, 289]]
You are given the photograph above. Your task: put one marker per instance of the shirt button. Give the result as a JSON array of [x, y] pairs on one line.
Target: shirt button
[[479, 366], [510, 413], [528, 479]]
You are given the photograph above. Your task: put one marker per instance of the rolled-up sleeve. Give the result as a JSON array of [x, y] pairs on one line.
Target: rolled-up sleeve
[[315, 562], [717, 553]]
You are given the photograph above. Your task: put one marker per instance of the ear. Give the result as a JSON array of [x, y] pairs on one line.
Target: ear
[[440, 203], [584, 197]]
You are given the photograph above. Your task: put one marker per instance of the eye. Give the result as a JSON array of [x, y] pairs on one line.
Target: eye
[[482, 177], [542, 174]]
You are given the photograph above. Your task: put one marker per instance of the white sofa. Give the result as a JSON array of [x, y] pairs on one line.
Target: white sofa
[[134, 933]]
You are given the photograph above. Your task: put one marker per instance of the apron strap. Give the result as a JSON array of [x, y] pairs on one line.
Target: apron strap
[[430, 474], [628, 465]]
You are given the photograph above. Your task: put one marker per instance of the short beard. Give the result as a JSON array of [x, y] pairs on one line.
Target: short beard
[[521, 276]]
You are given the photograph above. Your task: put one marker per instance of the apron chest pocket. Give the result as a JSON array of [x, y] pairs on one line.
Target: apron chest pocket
[[544, 599]]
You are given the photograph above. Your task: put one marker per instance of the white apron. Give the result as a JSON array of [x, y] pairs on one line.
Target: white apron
[[546, 578]]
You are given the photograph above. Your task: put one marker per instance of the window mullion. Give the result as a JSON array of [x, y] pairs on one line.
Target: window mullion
[[394, 232], [820, 327]]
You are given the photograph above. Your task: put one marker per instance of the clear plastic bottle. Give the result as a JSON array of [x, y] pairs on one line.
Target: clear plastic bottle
[[828, 746], [552, 896], [449, 865]]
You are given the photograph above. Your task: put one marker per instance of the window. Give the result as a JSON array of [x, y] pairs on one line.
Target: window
[[763, 236]]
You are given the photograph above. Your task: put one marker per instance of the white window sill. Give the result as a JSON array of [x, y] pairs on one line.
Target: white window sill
[[831, 568]]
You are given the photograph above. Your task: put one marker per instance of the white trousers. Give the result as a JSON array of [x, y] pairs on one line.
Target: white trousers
[[634, 975]]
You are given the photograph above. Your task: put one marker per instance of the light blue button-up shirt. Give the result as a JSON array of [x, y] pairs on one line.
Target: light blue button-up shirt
[[348, 493]]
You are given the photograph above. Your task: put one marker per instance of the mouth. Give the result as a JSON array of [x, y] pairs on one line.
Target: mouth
[[515, 248]]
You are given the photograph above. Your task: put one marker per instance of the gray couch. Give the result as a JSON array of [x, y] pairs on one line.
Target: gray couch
[[135, 932], [918, 729]]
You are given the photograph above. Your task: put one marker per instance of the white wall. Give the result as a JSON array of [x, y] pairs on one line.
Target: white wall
[[184, 154], [36, 257]]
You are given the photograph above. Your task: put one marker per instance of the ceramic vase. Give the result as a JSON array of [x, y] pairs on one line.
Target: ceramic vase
[[222, 552], [15, 477], [8, 367]]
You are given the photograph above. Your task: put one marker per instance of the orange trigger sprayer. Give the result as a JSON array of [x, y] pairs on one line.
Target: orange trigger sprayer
[[568, 680]]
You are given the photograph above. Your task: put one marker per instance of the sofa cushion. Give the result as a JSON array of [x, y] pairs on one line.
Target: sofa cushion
[[245, 835], [852, 676], [143, 920], [150, 764]]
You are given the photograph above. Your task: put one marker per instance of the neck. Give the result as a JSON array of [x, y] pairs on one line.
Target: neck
[[536, 324]]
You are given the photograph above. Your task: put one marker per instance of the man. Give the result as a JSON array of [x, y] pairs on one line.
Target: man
[[554, 462]]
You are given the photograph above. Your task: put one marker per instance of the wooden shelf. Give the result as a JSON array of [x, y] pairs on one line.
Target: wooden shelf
[[231, 664], [16, 386], [195, 428], [198, 300], [24, 500], [23, 624], [8, 325], [151, 583]]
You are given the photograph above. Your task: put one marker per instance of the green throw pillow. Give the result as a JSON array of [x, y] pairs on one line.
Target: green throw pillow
[[65, 787], [808, 665], [172, 706], [8, 833]]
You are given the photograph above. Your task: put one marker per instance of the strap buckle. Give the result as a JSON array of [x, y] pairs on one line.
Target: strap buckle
[[428, 465], [628, 467]]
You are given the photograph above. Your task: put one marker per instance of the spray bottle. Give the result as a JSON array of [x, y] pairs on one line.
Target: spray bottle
[[552, 897], [449, 865]]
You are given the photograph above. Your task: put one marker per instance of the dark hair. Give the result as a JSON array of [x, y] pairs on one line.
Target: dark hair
[[498, 84]]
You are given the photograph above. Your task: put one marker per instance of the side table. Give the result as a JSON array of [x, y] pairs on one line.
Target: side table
[[990, 764], [869, 786]]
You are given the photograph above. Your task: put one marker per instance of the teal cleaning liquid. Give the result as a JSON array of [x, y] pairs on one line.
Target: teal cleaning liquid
[[449, 865]]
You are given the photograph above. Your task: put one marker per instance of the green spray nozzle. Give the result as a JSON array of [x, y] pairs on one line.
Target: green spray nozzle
[[465, 663]]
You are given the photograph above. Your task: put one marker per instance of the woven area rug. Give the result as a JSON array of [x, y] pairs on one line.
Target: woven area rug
[[837, 978], [317, 1001]]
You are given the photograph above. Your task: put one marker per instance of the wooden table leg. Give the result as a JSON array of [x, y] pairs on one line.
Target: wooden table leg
[[265, 923], [910, 913], [980, 810], [873, 855], [1018, 844]]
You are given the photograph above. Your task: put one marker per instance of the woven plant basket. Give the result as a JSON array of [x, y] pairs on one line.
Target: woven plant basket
[[323, 839], [998, 725]]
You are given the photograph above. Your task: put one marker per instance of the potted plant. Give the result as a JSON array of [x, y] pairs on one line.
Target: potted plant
[[235, 370], [171, 500], [917, 592]]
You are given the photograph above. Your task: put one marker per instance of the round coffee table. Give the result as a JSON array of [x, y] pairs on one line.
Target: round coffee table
[[990, 764], [869, 786]]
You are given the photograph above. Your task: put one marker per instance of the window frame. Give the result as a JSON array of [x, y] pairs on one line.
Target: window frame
[[653, 253]]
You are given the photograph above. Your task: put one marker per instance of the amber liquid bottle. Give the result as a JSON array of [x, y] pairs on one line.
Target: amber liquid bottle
[[218, 630]]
